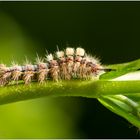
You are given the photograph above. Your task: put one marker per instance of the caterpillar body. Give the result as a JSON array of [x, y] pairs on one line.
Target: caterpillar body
[[63, 65]]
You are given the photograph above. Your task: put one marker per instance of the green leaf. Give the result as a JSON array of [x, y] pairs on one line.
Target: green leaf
[[121, 69], [123, 106], [127, 106]]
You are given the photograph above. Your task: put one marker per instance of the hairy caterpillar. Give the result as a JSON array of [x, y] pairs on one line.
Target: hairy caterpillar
[[63, 65]]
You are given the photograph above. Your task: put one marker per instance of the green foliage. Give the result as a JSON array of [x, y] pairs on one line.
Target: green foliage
[[127, 106]]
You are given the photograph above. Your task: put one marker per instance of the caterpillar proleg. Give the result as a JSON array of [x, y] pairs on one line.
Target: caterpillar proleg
[[62, 65]]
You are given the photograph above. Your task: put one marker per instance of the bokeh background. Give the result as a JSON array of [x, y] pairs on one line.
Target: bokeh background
[[109, 30]]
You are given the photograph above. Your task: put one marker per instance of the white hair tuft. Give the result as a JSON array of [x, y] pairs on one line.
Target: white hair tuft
[[60, 54], [69, 51], [49, 57], [80, 51]]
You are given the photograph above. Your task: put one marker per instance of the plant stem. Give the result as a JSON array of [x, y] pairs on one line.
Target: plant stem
[[89, 89]]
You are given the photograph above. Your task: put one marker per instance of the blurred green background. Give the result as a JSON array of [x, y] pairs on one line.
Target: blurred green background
[[109, 30]]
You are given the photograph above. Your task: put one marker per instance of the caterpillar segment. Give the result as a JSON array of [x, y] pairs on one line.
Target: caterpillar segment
[[70, 62], [54, 67], [5, 74], [79, 68], [63, 65], [41, 70], [16, 73], [29, 72]]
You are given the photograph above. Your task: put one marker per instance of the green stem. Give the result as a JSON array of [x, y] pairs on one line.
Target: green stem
[[90, 89]]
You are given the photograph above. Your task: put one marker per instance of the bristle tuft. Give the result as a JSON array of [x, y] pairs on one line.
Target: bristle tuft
[[80, 51], [69, 51]]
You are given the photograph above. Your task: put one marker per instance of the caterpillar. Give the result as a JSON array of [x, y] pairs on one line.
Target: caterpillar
[[62, 65]]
